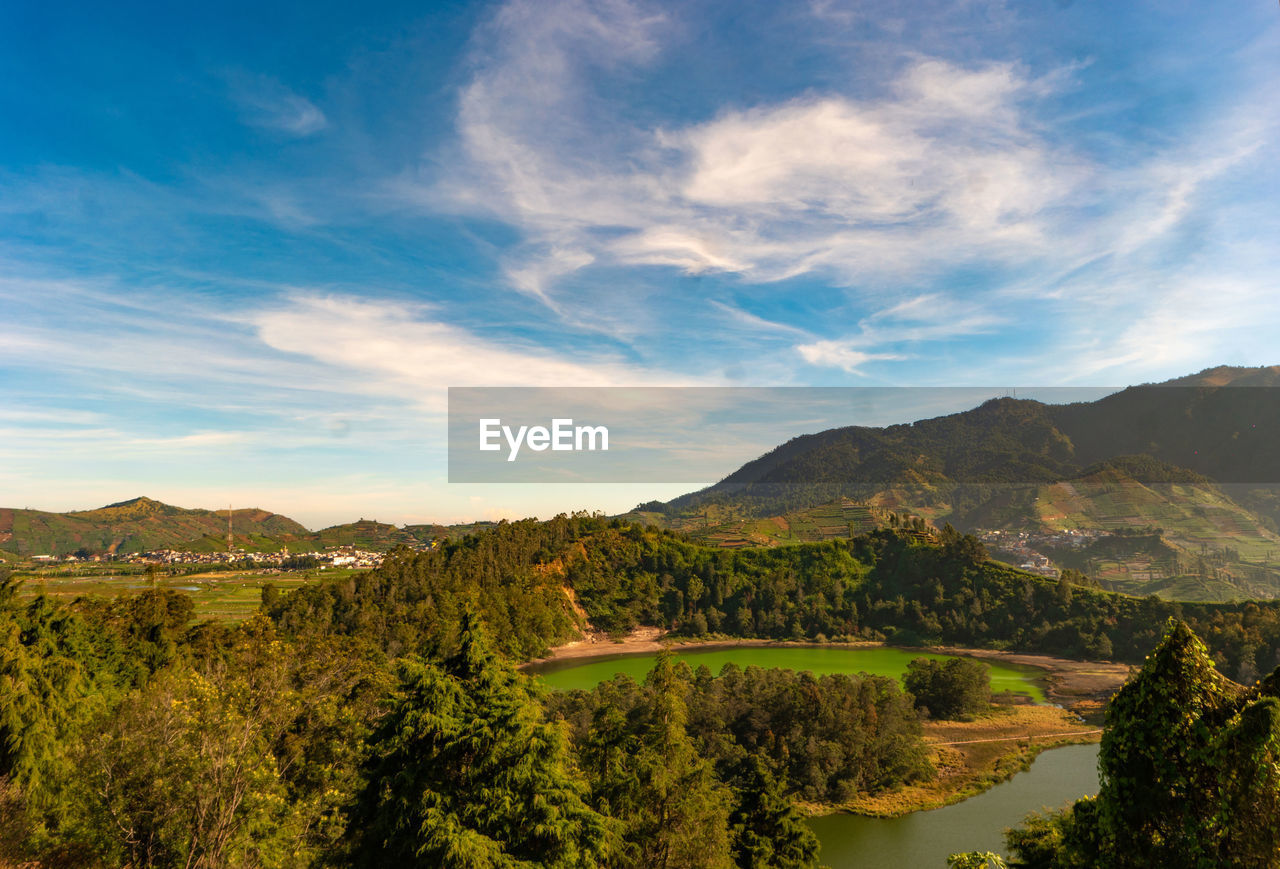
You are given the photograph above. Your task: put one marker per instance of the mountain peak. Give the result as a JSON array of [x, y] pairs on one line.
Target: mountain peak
[[137, 507], [142, 502], [1230, 375]]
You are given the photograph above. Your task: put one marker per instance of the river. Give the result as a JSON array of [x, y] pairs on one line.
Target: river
[[924, 839], [920, 839]]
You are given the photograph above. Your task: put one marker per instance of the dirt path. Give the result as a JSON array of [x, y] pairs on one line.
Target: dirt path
[[1021, 736]]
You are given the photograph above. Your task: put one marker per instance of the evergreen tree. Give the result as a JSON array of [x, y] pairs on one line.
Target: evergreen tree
[[648, 773], [466, 773], [1157, 796], [52, 682], [1190, 774], [767, 831]]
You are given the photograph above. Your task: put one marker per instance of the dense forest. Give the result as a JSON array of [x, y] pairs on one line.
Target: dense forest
[[381, 720], [130, 736], [906, 585]]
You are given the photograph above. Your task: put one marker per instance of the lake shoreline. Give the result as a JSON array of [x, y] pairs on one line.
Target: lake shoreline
[[971, 756], [1079, 686]]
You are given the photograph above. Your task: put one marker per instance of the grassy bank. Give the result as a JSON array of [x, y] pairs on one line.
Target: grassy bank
[[972, 756]]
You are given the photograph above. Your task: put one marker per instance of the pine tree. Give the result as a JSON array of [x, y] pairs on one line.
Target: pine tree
[[1157, 797], [767, 831], [649, 774], [466, 773]]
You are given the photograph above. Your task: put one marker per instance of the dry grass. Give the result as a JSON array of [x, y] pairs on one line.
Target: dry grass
[[1017, 734]]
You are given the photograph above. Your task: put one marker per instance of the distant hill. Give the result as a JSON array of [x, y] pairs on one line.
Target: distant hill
[[132, 526], [1199, 461], [143, 524], [1187, 429]]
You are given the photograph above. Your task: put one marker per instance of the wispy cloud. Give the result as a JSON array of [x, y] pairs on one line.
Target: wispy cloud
[[418, 354], [945, 167], [930, 317], [841, 354], [750, 322], [267, 103]]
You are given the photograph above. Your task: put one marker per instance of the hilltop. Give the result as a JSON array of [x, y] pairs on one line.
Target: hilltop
[[1190, 462], [143, 524], [131, 526]]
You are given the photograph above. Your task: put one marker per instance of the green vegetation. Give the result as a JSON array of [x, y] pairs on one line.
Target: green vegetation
[[1193, 461], [1190, 768], [901, 585], [132, 526], [378, 720], [827, 737], [222, 592], [136, 740], [585, 673], [958, 688], [678, 806], [142, 525], [464, 772]]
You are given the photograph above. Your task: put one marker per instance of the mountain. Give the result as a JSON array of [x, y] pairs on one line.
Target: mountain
[[143, 524], [132, 526], [1191, 429], [1195, 458]]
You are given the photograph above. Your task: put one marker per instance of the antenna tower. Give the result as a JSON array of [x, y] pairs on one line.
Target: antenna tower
[[230, 543]]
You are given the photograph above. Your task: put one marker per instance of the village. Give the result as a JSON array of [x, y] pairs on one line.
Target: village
[[1025, 545], [338, 556]]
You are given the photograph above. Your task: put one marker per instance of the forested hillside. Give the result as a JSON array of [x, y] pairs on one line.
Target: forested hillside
[[132, 526], [142, 524], [1213, 429], [906, 585], [380, 719]]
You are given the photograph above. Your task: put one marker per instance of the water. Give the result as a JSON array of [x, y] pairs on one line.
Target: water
[[882, 661], [924, 839]]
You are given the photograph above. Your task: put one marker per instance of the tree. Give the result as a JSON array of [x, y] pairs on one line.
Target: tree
[[767, 831], [242, 758], [953, 688], [648, 773], [53, 680], [975, 860], [466, 773], [1190, 773], [1157, 796]]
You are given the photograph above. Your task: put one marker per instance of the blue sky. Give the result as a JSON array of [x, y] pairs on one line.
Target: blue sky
[[245, 248]]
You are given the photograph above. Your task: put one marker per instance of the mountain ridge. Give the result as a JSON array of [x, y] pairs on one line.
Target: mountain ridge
[[142, 523]]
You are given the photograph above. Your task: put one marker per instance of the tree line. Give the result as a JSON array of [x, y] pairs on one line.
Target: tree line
[[131, 735], [902, 584], [378, 719]]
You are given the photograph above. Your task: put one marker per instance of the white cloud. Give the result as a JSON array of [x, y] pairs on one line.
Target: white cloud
[[265, 102], [840, 354], [930, 317], [1192, 322], [417, 354], [751, 322], [944, 167]]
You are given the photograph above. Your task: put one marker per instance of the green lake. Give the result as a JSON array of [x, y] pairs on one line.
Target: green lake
[[921, 839], [573, 673], [924, 839]]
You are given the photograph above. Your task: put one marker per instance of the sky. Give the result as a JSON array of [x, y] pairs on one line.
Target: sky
[[246, 248]]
